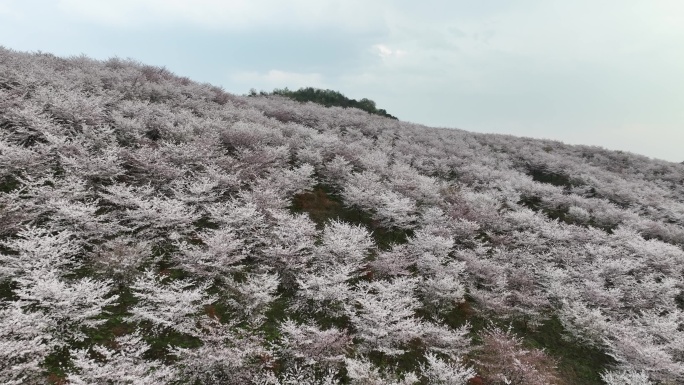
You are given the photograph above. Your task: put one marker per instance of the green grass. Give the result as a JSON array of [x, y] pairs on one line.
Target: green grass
[[7, 288], [578, 364], [8, 183], [553, 178], [275, 314]]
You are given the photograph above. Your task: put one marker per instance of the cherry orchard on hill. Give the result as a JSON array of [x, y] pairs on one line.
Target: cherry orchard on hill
[[155, 230]]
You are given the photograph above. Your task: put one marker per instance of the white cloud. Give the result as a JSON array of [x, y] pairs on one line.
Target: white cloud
[[385, 52]]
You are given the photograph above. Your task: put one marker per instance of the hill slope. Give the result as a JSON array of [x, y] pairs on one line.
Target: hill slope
[[160, 230]]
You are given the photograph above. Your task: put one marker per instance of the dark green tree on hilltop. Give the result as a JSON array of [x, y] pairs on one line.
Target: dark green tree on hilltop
[[327, 98]]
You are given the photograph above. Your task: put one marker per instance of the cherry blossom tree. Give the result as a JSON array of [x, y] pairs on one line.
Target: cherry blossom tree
[[625, 378], [438, 371], [383, 313], [225, 356], [168, 305], [123, 365], [314, 345], [24, 344], [502, 359], [362, 371]]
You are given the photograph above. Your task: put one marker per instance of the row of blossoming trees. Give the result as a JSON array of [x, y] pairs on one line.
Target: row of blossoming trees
[[148, 235]]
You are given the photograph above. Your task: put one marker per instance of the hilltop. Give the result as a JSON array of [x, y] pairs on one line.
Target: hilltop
[[328, 98], [162, 231]]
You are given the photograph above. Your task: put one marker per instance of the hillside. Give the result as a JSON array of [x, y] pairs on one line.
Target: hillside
[[154, 230]]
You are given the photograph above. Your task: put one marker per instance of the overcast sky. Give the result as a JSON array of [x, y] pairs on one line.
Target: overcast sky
[[599, 72]]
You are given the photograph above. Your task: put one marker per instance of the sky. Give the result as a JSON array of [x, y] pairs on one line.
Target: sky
[[598, 72]]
